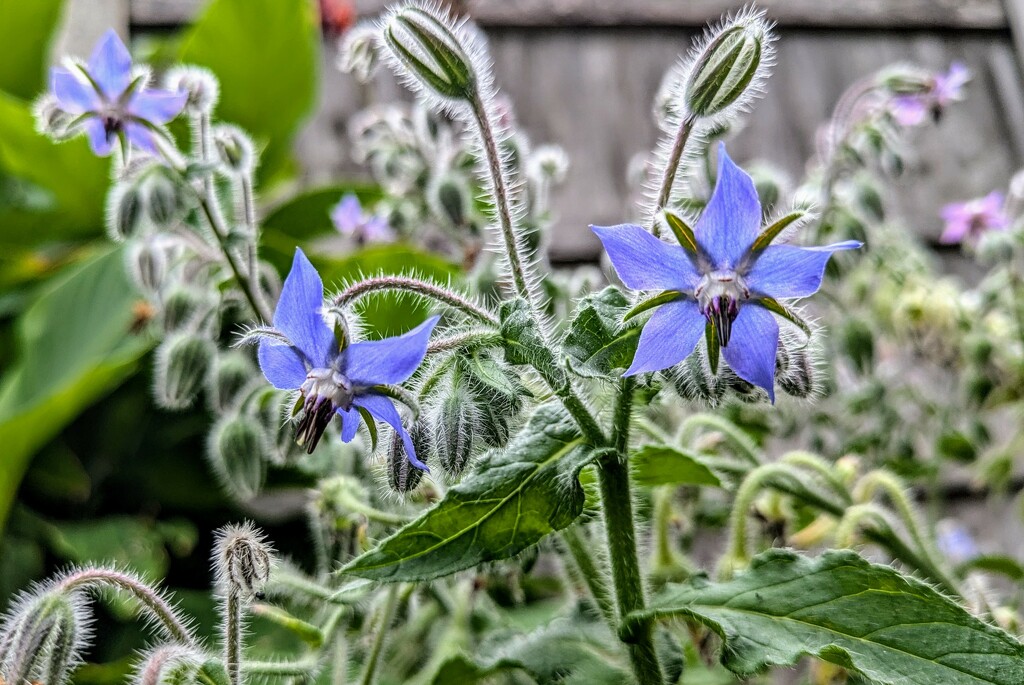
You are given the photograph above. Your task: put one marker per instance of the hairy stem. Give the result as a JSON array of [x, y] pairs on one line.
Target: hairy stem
[[233, 636], [386, 615], [617, 504], [414, 285], [590, 573], [157, 606], [502, 205], [668, 174]]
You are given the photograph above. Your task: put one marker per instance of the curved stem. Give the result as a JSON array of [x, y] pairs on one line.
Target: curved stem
[[467, 340], [419, 287], [502, 206], [744, 446], [617, 505], [157, 605], [387, 614], [590, 573], [668, 174]]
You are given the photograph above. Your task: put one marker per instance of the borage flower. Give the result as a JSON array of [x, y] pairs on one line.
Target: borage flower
[[110, 101], [333, 376], [350, 220], [968, 221], [911, 110], [724, 281]]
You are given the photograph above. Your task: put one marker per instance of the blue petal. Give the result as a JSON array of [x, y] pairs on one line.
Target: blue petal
[[668, 337], [141, 137], [111, 65], [645, 263], [282, 365], [790, 271], [298, 312], [732, 219], [382, 408], [391, 360], [350, 421], [73, 95], [157, 106], [99, 141], [752, 347]]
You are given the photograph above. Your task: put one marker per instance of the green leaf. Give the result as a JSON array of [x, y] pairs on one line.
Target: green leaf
[[516, 497], [75, 346], [72, 180], [123, 540], [597, 339], [664, 465], [26, 30], [266, 54], [867, 618]]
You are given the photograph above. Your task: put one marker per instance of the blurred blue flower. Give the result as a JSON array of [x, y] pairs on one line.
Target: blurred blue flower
[[945, 89], [110, 102], [724, 280], [350, 220], [332, 376]]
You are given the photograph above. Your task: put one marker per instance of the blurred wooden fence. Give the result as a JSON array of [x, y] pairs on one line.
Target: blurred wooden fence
[[582, 73]]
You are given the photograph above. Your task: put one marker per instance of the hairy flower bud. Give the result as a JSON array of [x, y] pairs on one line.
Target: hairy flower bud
[[147, 263], [233, 372], [728, 68], [235, 149], [199, 83], [180, 305], [694, 381], [430, 49], [182, 362], [403, 477], [164, 198], [455, 430], [43, 637], [125, 211], [237, 450], [801, 377], [450, 198], [358, 53], [52, 120], [242, 560]]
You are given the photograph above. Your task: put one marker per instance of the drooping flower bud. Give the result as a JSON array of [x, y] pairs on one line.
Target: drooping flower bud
[[403, 477], [180, 305], [455, 430], [235, 149], [164, 197], [238, 453], [147, 263], [125, 211], [801, 377], [52, 120], [233, 373], [42, 638], [199, 83], [430, 49], [694, 381], [728, 68], [242, 560], [358, 53], [450, 198], [182, 362]]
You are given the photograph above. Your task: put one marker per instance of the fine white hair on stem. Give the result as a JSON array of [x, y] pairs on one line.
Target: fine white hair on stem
[[683, 132]]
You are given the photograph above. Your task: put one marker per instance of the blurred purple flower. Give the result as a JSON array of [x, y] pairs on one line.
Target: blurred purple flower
[[911, 110], [968, 221], [955, 542], [722, 282], [303, 353], [109, 102], [350, 220]]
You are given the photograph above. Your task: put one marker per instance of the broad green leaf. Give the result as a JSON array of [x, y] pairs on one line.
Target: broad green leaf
[[72, 180], [664, 465], [26, 30], [75, 345], [867, 618], [597, 339], [123, 540], [515, 498], [266, 54]]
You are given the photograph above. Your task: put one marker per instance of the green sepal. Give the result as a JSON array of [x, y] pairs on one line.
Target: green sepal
[[652, 302], [371, 426], [682, 231], [714, 348], [776, 307], [772, 232]]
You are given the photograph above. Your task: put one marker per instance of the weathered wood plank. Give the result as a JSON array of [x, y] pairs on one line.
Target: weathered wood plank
[[885, 14], [85, 21]]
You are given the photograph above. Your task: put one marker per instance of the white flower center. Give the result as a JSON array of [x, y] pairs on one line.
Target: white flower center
[[719, 294]]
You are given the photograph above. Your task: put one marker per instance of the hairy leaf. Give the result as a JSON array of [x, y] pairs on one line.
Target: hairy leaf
[[664, 465], [597, 339], [870, 619], [516, 497]]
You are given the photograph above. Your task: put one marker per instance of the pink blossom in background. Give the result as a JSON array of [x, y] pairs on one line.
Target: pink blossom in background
[[967, 221], [350, 220], [911, 110]]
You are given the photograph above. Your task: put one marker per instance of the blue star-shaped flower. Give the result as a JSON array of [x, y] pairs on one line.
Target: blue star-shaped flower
[[332, 376], [723, 278], [110, 101]]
